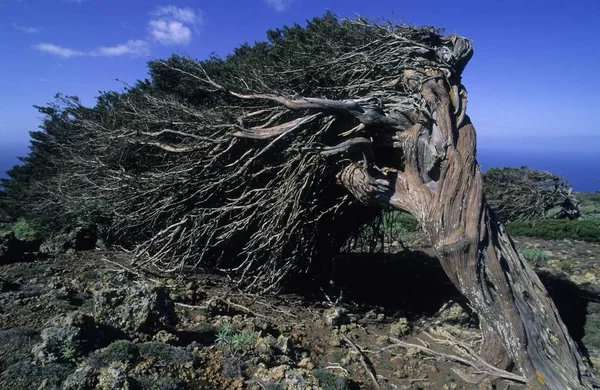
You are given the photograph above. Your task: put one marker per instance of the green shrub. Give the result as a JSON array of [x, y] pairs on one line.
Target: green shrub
[[557, 229], [534, 256], [165, 352], [15, 345], [567, 267], [26, 375], [330, 381], [122, 351], [24, 231], [589, 204]]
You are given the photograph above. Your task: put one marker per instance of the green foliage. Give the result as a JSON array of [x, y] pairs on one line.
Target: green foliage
[[15, 345], [387, 228], [121, 351], [25, 375], [330, 381], [337, 355], [401, 224], [236, 341], [68, 351], [555, 229], [566, 267], [164, 352], [534, 256], [589, 204], [24, 231]]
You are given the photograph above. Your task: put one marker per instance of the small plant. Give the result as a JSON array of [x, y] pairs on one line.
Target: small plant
[[225, 334], [69, 351], [24, 231], [534, 256], [337, 356], [330, 381], [567, 267], [236, 341]]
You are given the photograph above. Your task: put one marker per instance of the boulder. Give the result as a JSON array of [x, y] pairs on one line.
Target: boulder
[[134, 309], [67, 337]]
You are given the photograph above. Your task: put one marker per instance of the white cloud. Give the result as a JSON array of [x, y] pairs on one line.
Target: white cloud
[[27, 29], [185, 15], [58, 50], [134, 48], [172, 25], [279, 5], [170, 32]]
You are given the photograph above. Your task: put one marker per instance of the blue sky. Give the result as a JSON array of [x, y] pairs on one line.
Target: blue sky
[[533, 82]]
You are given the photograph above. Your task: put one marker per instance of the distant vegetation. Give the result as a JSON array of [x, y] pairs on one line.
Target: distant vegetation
[[551, 229], [518, 194], [589, 204], [587, 229]]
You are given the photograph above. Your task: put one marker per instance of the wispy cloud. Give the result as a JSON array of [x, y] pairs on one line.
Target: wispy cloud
[[75, 1], [185, 15], [172, 25], [133, 47], [279, 5], [58, 50], [28, 29]]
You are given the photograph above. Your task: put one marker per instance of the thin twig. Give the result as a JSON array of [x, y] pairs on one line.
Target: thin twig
[[366, 363], [491, 370]]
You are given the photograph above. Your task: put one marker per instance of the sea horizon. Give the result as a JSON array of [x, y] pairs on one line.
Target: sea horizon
[[581, 170]]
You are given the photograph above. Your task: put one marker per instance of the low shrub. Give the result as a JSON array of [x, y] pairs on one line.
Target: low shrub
[[236, 341], [330, 381], [555, 229], [534, 256], [24, 231]]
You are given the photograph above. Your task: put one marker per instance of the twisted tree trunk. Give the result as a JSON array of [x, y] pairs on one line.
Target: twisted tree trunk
[[441, 184]]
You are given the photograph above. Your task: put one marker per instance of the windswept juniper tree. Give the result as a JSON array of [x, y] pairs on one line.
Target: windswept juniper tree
[[518, 194], [262, 164]]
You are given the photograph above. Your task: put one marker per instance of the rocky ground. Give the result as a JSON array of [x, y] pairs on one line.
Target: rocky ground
[[85, 320]]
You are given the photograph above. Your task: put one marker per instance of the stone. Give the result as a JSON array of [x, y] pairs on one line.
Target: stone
[[336, 316], [399, 328], [135, 309], [67, 337], [453, 313]]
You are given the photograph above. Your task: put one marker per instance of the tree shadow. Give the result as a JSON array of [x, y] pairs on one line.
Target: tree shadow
[[573, 304], [414, 284], [410, 282]]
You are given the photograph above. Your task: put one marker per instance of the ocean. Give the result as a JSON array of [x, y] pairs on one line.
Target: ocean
[[9, 158], [582, 170]]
